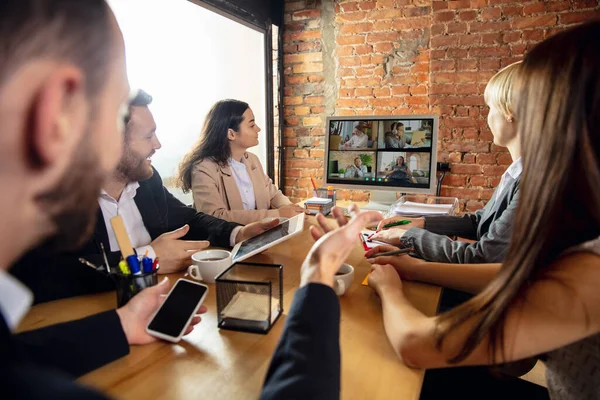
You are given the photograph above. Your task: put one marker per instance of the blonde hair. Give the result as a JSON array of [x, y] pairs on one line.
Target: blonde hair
[[499, 90]]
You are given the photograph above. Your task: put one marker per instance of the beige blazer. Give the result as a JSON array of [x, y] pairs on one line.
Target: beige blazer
[[216, 193]]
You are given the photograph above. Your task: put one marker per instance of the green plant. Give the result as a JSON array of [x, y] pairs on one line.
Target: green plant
[[341, 171], [366, 159]]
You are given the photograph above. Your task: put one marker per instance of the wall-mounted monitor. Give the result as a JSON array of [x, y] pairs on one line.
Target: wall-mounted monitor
[[392, 153]]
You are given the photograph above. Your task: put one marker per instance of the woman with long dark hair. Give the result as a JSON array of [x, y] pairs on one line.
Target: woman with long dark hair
[[544, 299], [227, 181]]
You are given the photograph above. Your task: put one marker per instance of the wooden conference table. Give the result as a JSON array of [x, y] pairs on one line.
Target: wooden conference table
[[219, 364]]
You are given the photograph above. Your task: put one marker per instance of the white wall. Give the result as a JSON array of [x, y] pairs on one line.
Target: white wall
[[188, 57]]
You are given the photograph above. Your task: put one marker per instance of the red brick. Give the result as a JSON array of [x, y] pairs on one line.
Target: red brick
[[492, 38], [416, 11], [469, 169], [314, 100], [533, 35], [348, 7], [364, 49], [299, 153], [469, 40], [415, 90], [486, 158], [381, 92], [479, 3], [457, 53], [443, 88], [351, 16], [493, 170], [413, 23], [341, 40], [308, 46], [462, 193], [555, 6], [577, 17], [356, 28], [382, 26], [302, 110], [511, 37], [362, 92], [438, 29], [367, 5], [578, 4], [290, 48], [504, 159], [352, 103], [455, 157], [295, 79], [455, 180], [442, 65], [534, 8], [417, 100], [489, 51], [288, 101], [486, 194], [308, 67], [439, 5], [399, 90], [302, 58], [477, 147], [383, 37], [467, 15], [489, 64], [512, 11], [456, 4], [477, 180], [444, 16], [443, 41], [454, 28], [343, 51], [489, 26], [385, 14], [535, 22], [491, 13], [383, 47], [469, 159], [306, 35]]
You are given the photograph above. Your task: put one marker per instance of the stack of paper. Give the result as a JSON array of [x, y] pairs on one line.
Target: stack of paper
[[411, 208], [319, 205]]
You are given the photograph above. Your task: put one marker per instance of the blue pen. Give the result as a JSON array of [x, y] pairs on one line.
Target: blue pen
[[146, 264], [134, 264]]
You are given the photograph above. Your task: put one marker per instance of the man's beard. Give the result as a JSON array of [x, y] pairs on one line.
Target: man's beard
[[132, 167], [72, 205]]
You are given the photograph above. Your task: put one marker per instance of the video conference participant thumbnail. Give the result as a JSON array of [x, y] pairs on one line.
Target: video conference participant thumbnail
[[411, 169], [352, 165]]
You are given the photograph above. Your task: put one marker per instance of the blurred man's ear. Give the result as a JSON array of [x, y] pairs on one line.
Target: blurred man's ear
[[57, 117]]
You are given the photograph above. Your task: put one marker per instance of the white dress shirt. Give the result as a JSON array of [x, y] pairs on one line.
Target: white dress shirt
[[358, 141], [134, 224], [244, 184], [15, 299], [514, 171]]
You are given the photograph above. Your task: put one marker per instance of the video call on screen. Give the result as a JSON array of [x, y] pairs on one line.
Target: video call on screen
[[385, 152]]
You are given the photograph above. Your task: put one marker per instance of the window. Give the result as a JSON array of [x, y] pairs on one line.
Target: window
[[413, 163], [188, 57]]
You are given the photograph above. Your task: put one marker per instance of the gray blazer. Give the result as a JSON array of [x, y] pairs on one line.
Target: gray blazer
[[491, 227]]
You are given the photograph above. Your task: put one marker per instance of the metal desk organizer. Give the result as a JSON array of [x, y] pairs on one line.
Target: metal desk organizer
[[249, 297]]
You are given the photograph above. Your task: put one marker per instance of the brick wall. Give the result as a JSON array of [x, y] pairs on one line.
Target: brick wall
[[408, 57]]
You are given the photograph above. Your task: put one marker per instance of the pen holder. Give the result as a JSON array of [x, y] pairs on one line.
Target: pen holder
[[249, 297], [130, 285]]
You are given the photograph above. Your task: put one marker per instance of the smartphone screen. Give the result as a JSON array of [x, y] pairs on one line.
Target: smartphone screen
[[175, 312]]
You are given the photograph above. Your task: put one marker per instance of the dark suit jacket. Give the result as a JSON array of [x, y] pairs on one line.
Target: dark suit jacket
[[306, 363], [52, 277], [491, 227], [39, 364]]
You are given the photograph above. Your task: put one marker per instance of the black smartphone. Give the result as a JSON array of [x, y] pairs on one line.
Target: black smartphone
[[175, 314]]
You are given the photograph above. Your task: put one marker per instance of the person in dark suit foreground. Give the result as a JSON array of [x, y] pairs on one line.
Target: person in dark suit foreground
[[62, 83], [306, 362], [155, 220]]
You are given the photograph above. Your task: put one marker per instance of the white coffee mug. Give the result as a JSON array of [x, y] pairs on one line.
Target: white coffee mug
[[207, 264], [343, 279]]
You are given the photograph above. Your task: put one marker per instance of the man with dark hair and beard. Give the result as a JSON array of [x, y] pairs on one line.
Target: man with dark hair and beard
[[62, 85], [158, 224]]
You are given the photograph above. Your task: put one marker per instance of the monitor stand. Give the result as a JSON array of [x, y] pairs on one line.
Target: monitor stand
[[381, 200]]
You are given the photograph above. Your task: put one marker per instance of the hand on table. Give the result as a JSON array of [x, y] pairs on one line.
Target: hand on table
[[175, 254], [383, 277], [391, 236], [136, 314], [403, 264], [253, 229], [414, 222], [333, 246]]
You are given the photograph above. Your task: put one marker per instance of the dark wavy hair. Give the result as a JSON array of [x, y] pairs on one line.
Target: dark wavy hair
[[213, 143]]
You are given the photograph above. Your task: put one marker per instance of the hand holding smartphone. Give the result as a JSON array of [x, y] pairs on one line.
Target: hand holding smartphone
[[175, 314]]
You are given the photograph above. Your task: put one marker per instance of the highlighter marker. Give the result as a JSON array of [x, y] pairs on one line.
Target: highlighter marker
[[134, 264], [124, 268]]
